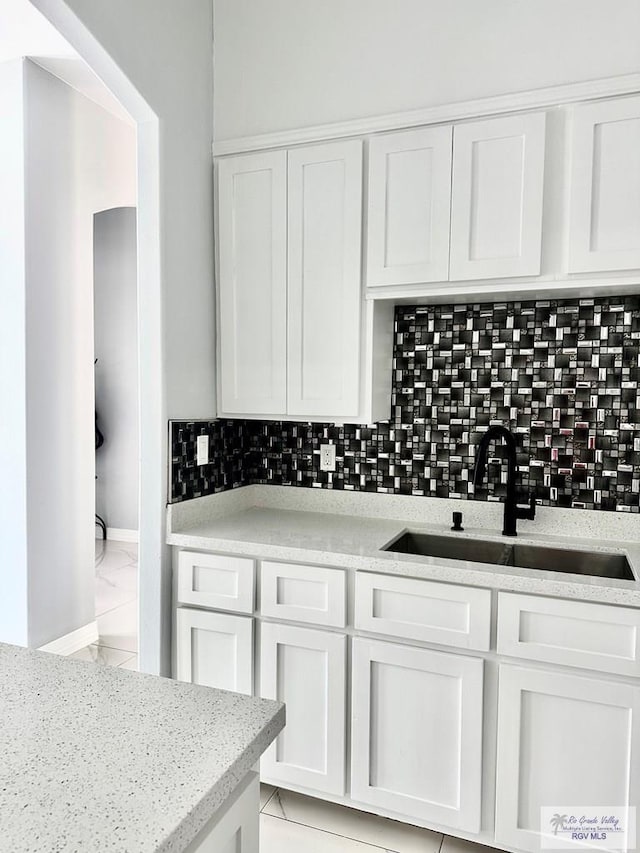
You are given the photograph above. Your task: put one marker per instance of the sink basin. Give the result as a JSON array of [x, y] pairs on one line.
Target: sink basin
[[571, 561], [597, 563], [452, 548]]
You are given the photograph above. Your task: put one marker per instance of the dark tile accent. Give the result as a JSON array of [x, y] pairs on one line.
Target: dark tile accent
[[227, 469], [561, 374]]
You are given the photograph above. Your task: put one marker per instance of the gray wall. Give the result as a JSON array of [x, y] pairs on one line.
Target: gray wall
[[116, 348], [79, 160], [13, 415], [70, 158], [294, 63], [168, 89]]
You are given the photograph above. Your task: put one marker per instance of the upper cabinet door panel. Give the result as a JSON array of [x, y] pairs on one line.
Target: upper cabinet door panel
[[409, 207], [324, 298], [604, 229], [252, 216], [496, 210]]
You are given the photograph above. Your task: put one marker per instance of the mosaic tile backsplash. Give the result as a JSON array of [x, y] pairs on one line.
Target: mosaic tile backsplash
[[562, 375]]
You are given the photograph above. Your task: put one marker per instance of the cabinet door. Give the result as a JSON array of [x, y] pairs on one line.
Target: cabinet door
[[409, 207], [306, 669], [496, 206], [417, 733], [214, 649], [252, 251], [324, 297], [604, 230], [563, 741]]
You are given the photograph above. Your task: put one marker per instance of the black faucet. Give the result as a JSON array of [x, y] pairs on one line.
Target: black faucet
[[512, 512]]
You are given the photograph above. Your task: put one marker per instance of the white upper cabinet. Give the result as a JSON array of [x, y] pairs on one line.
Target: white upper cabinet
[[408, 209], [604, 231], [252, 283], [324, 294], [296, 337], [496, 205]]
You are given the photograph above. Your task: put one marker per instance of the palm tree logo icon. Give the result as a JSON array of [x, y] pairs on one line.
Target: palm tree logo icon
[[557, 822]]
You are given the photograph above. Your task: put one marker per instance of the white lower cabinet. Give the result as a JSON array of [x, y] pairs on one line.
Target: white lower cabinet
[[306, 669], [563, 741], [416, 738], [214, 649]]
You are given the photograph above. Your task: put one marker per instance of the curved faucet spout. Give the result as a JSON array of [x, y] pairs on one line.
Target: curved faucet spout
[[511, 511], [495, 431]]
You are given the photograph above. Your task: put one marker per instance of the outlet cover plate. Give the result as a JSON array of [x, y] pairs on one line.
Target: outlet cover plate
[[327, 457], [202, 450]]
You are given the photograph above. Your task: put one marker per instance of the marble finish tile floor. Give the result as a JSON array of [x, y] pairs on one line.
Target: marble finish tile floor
[[116, 606], [291, 822]]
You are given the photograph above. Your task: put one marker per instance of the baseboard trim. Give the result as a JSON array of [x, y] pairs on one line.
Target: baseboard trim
[[73, 642], [120, 534]]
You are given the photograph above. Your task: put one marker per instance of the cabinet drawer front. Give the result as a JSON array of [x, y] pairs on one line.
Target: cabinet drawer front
[[423, 610], [213, 580], [573, 633], [215, 650], [303, 594]]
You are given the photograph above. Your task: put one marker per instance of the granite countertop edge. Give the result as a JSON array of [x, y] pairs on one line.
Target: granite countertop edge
[[207, 807], [179, 751]]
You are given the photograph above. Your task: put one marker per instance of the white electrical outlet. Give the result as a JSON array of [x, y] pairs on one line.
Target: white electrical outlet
[[202, 450], [327, 457]]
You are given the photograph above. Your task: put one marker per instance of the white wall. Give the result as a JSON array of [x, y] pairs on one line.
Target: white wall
[[157, 59], [13, 414], [115, 285], [25, 32], [78, 159], [294, 63]]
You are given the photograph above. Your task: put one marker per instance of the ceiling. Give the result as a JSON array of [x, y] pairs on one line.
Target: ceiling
[[24, 31]]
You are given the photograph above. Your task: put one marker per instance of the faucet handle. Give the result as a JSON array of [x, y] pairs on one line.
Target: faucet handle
[[530, 513]]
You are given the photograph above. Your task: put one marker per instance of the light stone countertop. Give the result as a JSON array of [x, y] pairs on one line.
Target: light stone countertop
[[97, 759], [284, 523]]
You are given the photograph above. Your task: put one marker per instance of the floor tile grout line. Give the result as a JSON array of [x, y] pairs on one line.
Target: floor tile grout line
[[124, 604], [268, 800], [329, 832], [114, 648]]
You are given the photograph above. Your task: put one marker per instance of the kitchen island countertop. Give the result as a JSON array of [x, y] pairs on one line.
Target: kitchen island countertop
[[96, 758]]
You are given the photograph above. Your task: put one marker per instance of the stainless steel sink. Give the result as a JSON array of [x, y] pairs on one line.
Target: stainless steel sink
[[576, 562], [452, 548], [603, 565]]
